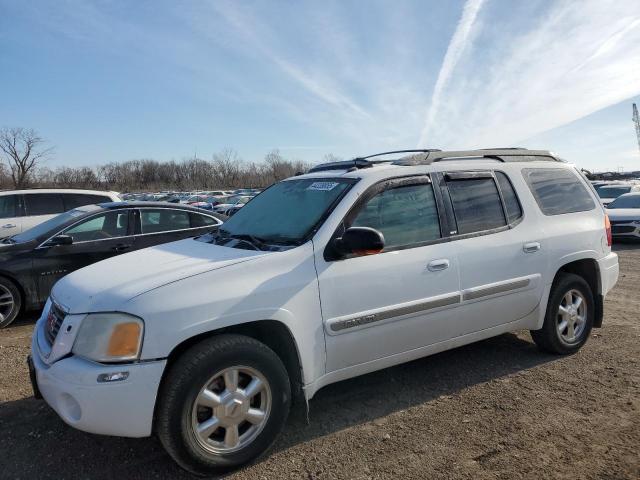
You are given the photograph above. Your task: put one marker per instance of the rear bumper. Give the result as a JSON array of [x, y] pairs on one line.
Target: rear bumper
[[123, 408], [609, 271]]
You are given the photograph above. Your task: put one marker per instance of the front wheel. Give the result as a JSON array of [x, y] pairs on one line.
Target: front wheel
[[10, 302], [569, 317], [222, 404]]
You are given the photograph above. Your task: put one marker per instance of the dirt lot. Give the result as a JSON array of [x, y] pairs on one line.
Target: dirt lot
[[496, 409]]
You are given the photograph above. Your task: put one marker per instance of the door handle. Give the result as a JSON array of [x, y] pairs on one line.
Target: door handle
[[8, 225], [121, 248], [531, 247], [438, 265]]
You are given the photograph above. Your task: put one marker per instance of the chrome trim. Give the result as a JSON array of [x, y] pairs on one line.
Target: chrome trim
[[396, 312], [492, 290]]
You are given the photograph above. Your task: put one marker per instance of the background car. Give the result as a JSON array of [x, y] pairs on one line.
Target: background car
[[235, 203], [609, 193], [624, 214], [31, 262], [21, 210]]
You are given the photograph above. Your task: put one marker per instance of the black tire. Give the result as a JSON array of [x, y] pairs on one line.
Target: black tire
[[548, 338], [8, 313], [182, 385]]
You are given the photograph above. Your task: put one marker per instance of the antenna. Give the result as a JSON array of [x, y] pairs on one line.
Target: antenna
[[636, 121]]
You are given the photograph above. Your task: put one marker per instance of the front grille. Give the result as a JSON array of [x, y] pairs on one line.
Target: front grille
[[620, 222], [623, 229], [55, 317]]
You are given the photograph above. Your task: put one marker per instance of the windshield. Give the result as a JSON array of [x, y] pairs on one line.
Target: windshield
[[288, 211], [626, 201], [613, 192], [54, 223]]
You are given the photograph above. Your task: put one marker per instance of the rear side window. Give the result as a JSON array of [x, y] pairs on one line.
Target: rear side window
[[558, 191], [163, 220], [8, 204], [43, 203], [75, 200], [405, 215], [511, 203], [198, 220], [476, 204]]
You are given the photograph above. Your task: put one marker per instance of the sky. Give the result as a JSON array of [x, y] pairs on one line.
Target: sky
[[110, 81]]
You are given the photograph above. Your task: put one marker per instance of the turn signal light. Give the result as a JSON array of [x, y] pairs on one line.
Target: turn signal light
[[124, 340]]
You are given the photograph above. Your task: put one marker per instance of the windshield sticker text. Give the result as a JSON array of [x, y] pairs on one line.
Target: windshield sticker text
[[324, 186]]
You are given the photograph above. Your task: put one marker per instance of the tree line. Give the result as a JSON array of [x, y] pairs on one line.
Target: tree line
[[24, 154]]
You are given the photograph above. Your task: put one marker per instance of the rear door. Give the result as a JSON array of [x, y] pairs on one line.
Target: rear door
[[161, 225], [40, 207], [501, 258], [95, 238], [380, 305]]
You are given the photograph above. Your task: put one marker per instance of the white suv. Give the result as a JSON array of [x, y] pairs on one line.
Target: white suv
[[353, 267], [21, 210]]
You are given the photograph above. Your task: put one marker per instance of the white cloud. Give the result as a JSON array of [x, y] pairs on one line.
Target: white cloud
[[460, 41]]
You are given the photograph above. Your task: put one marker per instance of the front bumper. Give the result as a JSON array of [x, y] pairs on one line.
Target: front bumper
[[123, 408], [625, 230]]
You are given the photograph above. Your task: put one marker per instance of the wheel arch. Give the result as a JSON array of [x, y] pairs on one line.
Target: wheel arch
[[26, 300], [273, 333], [588, 269]]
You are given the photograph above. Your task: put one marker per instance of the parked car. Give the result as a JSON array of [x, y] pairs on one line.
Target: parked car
[[609, 193], [22, 209], [624, 213], [233, 205], [32, 261], [374, 264]]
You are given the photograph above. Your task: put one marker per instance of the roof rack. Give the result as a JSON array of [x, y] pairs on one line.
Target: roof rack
[[499, 154], [363, 162]]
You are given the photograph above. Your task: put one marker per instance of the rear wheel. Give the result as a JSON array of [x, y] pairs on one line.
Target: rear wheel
[[10, 302], [569, 316], [222, 404]]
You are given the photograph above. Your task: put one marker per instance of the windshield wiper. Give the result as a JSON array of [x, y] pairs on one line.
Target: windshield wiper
[[257, 242]]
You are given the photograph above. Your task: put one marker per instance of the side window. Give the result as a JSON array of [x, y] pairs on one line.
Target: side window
[[511, 203], [8, 204], [43, 203], [405, 215], [75, 200], [107, 225], [558, 191], [476, 204], [198, 220], [163, 220]]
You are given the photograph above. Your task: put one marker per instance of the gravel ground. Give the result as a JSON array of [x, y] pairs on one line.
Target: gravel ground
[[495, 409]]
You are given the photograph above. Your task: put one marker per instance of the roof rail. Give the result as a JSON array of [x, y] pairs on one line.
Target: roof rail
[[363, 162], [499, 154]]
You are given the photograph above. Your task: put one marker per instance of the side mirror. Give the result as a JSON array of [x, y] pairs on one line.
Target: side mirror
[[359, 241], [60, 240]]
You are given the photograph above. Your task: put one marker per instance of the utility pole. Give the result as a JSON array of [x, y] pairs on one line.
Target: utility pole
[[636, 121]]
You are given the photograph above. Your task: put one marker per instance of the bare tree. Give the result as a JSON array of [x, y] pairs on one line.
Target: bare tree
[[23, 151]]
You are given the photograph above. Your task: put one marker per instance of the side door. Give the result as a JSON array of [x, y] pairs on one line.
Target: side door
[[11, 215], [499, 250], [162, 225], [40, 207], [380, 305], [95, 238]]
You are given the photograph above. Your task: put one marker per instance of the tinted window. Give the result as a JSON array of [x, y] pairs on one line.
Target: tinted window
[[163, 220], [558, 191], [476, 204], [75, 200], [626, 201], [405, 215], [8, 206], [613, 192], [108, 225], [43, 203], [198, 220], [511, 203]]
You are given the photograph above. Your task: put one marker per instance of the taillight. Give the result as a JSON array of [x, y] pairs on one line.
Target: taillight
[[607, 229]]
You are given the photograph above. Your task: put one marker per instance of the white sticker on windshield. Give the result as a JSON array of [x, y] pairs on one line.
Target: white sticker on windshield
[[325, 186]]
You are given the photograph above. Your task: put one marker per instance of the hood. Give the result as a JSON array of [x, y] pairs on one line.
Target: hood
[[623, 213], [106, 285]]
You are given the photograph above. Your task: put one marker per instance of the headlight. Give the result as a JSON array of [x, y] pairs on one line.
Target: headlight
[[109, 337]]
